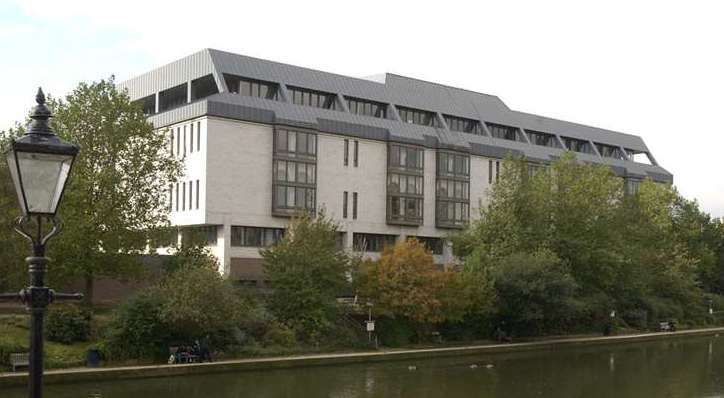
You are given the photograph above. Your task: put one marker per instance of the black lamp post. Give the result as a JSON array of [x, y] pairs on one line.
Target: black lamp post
[[39, 164]]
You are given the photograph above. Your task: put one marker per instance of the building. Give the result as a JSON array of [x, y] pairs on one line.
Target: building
[[387, 157]]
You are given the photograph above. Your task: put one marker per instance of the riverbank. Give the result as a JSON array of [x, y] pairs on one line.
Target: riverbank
[[137, 372]]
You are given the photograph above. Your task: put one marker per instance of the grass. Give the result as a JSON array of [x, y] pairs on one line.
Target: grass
[[14, 336]]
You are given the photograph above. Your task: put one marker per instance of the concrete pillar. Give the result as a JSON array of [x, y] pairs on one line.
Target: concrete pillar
[[188, 91], [225, 244], [157, 104]]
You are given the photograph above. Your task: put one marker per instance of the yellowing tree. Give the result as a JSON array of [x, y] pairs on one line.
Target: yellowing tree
[[405, 282]]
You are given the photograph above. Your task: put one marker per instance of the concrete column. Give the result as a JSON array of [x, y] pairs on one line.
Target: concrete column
[[224, 243], [188, 91], [157, 104]]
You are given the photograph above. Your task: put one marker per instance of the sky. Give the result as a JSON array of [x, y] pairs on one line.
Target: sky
[[649, 68]]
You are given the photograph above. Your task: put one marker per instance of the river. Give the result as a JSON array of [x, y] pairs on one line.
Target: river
[[678, 367]]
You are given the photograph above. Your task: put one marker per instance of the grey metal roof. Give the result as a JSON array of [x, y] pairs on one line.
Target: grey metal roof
[[397, 90]]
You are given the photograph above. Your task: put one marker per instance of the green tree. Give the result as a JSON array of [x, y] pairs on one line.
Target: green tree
[[536, 293], [116, 195], [307, 271]]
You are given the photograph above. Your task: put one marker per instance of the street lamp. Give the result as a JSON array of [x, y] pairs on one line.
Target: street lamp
[[39, 163]]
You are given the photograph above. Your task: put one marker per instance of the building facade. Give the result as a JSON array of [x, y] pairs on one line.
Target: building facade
[[387, 157]]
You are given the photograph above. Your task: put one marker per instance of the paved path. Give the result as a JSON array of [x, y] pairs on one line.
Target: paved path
[[131, 372]]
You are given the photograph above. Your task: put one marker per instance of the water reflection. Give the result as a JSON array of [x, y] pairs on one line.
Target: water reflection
[[676, 368]]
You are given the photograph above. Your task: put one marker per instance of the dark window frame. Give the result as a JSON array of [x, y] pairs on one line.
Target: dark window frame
[[452, 189], [406, 163]]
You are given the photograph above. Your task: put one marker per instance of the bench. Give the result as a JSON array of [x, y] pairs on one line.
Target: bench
[[667, 326], [179, 355], [18, 360]]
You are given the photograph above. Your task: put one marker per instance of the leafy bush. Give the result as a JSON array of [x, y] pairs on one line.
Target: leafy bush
[[395, 332], [137, 329], [536, 293], [190, 303], [279, 335], [68, 324], [8, 347]]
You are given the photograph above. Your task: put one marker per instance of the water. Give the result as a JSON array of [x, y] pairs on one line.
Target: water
[[680, 367]]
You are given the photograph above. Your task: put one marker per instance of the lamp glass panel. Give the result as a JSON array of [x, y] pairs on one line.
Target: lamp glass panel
[[13, 167], [43, 178]]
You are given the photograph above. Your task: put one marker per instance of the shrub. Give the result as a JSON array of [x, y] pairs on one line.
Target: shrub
[[536, 293], [68, 324], [137, 329], [279, 335], [8, 347], [395, 332]]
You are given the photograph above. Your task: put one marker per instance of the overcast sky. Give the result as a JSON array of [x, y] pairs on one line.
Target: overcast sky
[[650, 68]]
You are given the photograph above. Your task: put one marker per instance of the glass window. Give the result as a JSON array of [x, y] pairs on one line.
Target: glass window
[[577, 145], [418, 116], [251, 87], [255, 236], [372, 242], [317, 99], [366, 108], [463, 125], [504, 132], [543, 139]]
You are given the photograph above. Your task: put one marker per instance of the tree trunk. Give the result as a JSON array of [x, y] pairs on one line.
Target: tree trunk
[[88, 294]]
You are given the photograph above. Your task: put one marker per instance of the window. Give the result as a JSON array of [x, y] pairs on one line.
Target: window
[[191, 194], [610, 151], [178, 141], [170, 197], [205, 234], [346, 152], [197, 194], [177, 197], [452, 193], [418, 116], [191, 138], [251, 87], [339, 239], [463, 125], [372, 242], [497, 170], [504, 132], [147, 104], [543, 139], [172, 142], [632, 186], [435, 245], [255, 236], [172, 97], [184, 138], [294, 172], [405, 180], [316, 99], [203, 87], [354, 205], [638, 156], [356, 153], [366, 108], [490, 172], [198, 136], [344, 204], [183, 197], [576, 145]]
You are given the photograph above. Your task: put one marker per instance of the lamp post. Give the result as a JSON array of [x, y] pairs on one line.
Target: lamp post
[[39, 163]]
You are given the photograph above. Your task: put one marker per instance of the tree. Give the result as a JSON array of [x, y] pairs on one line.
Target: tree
[[647, 251], [536, 292], [307, 272], [116, 195], [406, 283]]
